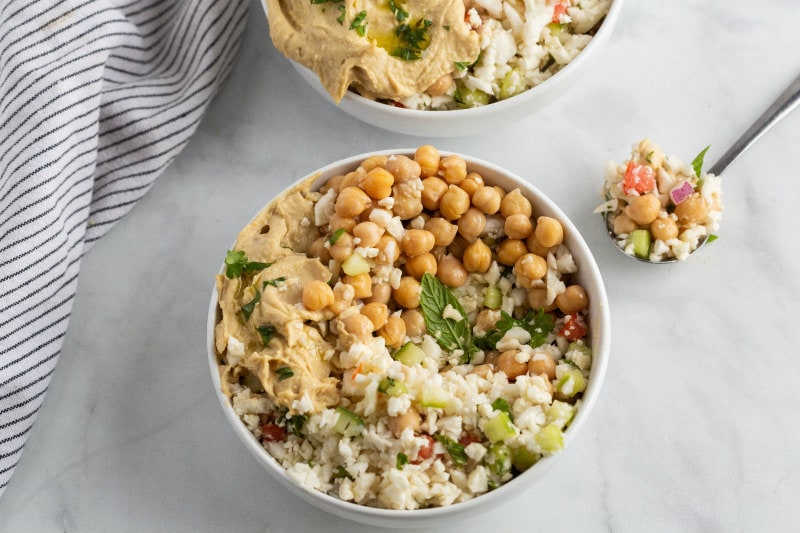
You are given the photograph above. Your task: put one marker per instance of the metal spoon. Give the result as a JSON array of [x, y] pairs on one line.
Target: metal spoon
[[787, 101]]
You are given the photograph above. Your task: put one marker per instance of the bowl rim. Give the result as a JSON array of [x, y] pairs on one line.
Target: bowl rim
[[553, 82], [600, 329]]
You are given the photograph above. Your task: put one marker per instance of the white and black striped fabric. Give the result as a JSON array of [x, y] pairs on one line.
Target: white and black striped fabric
[[97, 97]]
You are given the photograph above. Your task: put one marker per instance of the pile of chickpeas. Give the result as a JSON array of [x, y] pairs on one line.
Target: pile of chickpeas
[[455, 224], [645, 212]]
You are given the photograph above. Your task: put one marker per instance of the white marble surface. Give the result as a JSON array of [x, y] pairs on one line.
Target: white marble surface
[[698, 427]]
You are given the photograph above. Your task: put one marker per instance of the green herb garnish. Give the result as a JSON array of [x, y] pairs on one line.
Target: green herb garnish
[[341, 472], [295, 424], [711, 238], [247, 309], [237, 264], [538, 324], [336, 235], [462, 65], [400, 14], [342, 12], [501, 404], [284, 372], [359, 25], [273, 282], [402, 460], [454, 449], [449, 333], [697, 162], [414, 39], [446, 27], [266, 332]]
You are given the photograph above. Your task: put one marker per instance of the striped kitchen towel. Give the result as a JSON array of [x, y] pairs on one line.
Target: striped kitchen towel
[[97, 97]]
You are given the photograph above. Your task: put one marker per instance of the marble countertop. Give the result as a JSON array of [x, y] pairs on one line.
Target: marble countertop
[[696, 429]]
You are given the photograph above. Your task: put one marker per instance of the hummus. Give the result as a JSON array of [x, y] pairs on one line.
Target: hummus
[[277, 237], [361, 43]]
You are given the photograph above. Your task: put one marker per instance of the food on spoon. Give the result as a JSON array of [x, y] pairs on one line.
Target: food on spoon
[[435, 371], [661, 208], [433, 54]]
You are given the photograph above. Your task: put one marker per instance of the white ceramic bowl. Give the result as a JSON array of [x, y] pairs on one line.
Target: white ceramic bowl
[[599, 322], [461, 122]]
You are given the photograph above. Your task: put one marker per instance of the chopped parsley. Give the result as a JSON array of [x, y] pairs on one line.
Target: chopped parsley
[[501, 404], [400, 14], [414, 38], [342, 12], [295, 424], [336, 235], [697, 163], [247, 309], [538, 324], [402, 460], [237, 264], [284, 372], [341, 472], [359, 25], [266, 332], [454, 449], [451, 334], [273, 282], [712, 238], [462, 65]]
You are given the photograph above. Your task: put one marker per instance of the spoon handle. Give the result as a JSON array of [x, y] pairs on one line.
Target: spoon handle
[[787, 101]]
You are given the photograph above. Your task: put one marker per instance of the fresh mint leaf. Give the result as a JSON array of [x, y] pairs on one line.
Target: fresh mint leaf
[[454, 449], [451, 334], [697, 163]]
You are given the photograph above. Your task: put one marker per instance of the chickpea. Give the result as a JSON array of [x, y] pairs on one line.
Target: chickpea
[[373, 161], [381, 293], [624, 224], [342, 297], [518, 227], [407, 201], [491, 357], [514, 203], [409, 419], [453, 169], [393, 331], [351, 202], [542, 364], [433, 189], [427, 157], [337, 222], [414, 321], [663, 228], [378, 183], [319, 250], [529, 268], [537, 299], [572, 300], [440, 86], [342, 248], [439, 252], [417, 242], [535, 247], [477, 257], [644, 209], [482, 370], [352, 179], [549, 231], [333, 183], [317, 295], [509, 250], [407, 293], [472, 183], [451, 271], [361, 283], [402, 168], [388, 250], [471, 224], [377, 313], [454, 202], [487, 319], [443, 231], [458, 246], [487, 199], [419, 264], [692, 210], [358, 325], [368, 234], [507, 363]]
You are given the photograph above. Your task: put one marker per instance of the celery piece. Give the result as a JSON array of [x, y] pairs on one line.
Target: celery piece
[[493, 298], [640, 238], [434, 396], [355, 265], [550, 439], [392, 387], [522, 458], [348, 424], [499, 427], [560, 414], [571, 383], [410, 354]]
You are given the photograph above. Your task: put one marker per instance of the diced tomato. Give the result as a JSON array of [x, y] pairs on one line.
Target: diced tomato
[[468, 438], [574, 327], [426, 452], [558, 10], [398, 104], [273, 432], [639, 178]]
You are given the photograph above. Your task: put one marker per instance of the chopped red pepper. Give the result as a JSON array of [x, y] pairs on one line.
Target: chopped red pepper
[[468, 438], [558, 10], [273, 432], [639, 178], [426, 452], [574, 327]]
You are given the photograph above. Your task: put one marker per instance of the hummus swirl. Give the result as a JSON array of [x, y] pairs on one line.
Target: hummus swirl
[[319, 36]]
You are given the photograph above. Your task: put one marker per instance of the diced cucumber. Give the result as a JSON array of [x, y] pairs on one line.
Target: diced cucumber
[[560, 414], [522, 458], [571, 383], [410, 354], [434, 396], [576, 345], [355, 265], [550, 439], [470, 98], [392, 387], [348, 424], [498, 459], [493, 298], [499, 427], [512, 83], [640, 238]]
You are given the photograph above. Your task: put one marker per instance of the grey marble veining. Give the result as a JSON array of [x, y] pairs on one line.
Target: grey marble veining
[[697, 428]]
